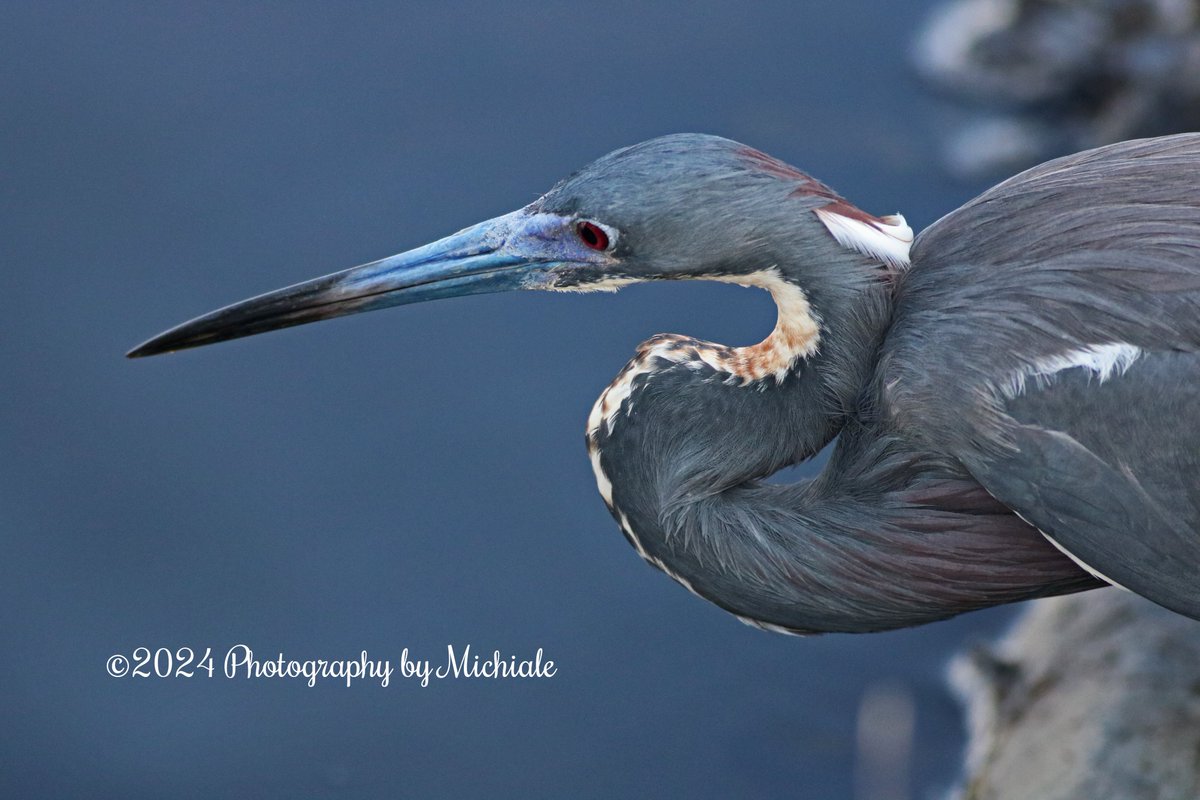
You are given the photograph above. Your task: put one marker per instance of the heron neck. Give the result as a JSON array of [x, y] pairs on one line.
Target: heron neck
[[754, 409], [881, 539], [681, 443], [796, 335]]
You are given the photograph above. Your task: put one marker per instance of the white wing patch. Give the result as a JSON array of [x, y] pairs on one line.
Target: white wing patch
[[1079, 563], [887, 239], [767, 626], [1102, 360]]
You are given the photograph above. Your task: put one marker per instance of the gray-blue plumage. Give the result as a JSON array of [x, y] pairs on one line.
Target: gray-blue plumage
[[1027, 385], [1093, 249]]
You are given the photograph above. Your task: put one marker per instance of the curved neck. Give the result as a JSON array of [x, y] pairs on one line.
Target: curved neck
[[879, 540], [733, 414], [682, 438], [796, 335]]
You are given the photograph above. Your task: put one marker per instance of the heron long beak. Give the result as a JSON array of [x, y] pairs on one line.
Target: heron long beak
[[508, 252]]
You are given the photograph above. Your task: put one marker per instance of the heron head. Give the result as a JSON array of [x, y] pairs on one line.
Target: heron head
[[676, 207]]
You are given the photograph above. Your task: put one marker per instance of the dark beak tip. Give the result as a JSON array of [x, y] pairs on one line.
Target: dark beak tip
[[151, 347], [463, 263]]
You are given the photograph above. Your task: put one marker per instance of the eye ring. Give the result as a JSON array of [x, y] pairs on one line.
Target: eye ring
[[592, 235]]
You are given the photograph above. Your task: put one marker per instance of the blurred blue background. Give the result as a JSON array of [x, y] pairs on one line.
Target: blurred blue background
[[413, 478]]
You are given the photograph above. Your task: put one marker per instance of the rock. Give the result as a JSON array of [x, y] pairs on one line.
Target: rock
[[1095, 695]]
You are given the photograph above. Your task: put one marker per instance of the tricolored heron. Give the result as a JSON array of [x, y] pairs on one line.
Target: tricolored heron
[[1016, 398]]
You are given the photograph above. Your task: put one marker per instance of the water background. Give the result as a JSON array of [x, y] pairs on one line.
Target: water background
[[413, 478]]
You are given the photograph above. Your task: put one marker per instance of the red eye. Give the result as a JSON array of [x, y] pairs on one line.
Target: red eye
[[592, 235]]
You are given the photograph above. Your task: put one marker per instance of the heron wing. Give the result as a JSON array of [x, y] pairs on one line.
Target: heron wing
[[1048, 337], [1109, 470]]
